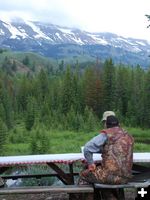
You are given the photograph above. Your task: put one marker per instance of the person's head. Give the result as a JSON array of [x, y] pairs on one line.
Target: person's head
[[106, 114], [111, 121]]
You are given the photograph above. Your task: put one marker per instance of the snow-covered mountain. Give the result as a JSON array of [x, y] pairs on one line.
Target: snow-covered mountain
[[50, 39]]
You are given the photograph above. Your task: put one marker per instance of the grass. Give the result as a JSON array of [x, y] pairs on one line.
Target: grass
[[139, 133], [141, 147], [17, 149], [71, 142]]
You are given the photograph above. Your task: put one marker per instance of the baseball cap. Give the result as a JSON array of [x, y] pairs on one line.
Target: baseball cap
[[106, 114]]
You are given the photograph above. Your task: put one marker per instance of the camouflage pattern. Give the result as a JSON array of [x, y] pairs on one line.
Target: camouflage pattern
[[1, 182], [117, 159]]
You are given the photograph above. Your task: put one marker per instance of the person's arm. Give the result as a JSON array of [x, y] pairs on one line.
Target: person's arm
[[94, 146]]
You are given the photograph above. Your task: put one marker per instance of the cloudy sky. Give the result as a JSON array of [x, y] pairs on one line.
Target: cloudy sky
[[123, 17]]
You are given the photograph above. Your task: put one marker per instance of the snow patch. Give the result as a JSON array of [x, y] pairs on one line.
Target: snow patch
[[2, 32], [136, 49], [98, 39], [57, 34], [127, 41], [141, 43], [78, 40], [37, 30], [14, 31], [65, 30]]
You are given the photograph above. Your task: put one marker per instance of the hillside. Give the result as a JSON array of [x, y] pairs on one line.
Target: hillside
[[24, 62]]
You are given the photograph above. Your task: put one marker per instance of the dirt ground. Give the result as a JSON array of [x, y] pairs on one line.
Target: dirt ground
[[45, 196], [129, 195]]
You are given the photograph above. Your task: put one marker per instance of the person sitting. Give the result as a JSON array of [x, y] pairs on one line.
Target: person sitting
[[116, 146]]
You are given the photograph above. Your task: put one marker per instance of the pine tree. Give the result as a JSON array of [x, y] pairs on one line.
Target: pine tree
[[42, 86], [40, 141], [121, 93], [77, 96], [93, 90], [3, 135], [90, 120], [67, 91], [26, 60], [14, 66], [147, 100], [30, 114], [23, 93], [108, 84], [6, 104]]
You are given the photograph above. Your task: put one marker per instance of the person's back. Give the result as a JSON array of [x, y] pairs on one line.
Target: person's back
[[117, 155]]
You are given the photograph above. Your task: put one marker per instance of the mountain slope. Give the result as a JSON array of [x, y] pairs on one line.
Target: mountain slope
[[62, 42], [22, 62]]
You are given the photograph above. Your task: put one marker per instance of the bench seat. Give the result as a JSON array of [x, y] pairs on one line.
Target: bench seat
[[117, 190], [51, 189], [128, 185]]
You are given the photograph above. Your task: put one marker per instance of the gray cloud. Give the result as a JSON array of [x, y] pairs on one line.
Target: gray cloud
[[127, 18], [15, 5], [54, 11]]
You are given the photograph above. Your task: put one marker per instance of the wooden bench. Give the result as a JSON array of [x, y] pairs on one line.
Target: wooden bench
[[82, 192], [117, 190]]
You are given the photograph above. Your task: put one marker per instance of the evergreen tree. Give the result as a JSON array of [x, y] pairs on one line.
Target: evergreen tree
[[139, 95], [93, 90], [30, 113], [6, 105], [3, 135], [147, 100], [121, 94], [23, 93], [148, 17], [108, 84], [40, 141], [42, 86], [77, 96], [90, 121], [26, 61], [14, 66], [67, 91]]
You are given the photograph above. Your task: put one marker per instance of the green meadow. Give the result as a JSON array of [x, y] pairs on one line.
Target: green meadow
[[66, 142]]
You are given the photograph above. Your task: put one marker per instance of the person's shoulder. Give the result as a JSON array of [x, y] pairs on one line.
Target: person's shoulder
[[103, 131]]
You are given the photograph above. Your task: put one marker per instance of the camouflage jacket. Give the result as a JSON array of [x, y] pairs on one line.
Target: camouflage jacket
[[117, 155]]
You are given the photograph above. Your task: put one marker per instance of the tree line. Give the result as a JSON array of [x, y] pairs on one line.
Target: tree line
[[74, 98]]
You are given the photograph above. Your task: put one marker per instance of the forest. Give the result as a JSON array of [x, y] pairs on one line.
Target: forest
[[35, 107]]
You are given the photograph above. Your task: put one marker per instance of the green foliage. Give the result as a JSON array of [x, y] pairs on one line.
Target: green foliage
[[73, 100], [17, 149], [91, 122], [2, 50], [26, 61], [3, 136], [71, 141], [30, 114], [44, 181], [141, 147], [40, 141], [74, 121], [109, 84], [148, 17], [67, 91], [93, 91]]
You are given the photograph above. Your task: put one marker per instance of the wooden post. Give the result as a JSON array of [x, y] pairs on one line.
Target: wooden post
[[65, 178], [71, 172]]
